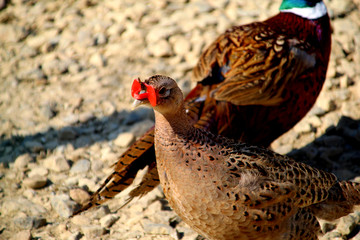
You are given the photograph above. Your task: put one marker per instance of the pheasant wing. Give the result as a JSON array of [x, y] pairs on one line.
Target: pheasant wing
[[252, 65]]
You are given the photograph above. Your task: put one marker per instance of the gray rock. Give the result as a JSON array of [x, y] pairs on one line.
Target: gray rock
[[67, 133], [34, 146], [101, 212], [56, 163], [63, 205], [93, 231], [35, 182], [30, 222], [108, 220], [80, 166], [83, 141]]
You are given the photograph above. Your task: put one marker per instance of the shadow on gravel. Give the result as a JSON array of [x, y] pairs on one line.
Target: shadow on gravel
[[79, 134], [337, 151]]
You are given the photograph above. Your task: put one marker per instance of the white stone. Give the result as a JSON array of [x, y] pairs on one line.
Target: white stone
[[56, 163], [125, 139], [160, 48]]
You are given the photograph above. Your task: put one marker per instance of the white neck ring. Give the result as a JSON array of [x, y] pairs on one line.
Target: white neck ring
[[318, 11]]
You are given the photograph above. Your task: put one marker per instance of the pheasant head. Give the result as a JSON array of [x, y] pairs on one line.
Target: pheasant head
[[161, 92]]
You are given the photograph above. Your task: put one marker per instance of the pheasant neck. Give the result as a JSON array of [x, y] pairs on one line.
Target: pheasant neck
[[316, 32], [174, 124]]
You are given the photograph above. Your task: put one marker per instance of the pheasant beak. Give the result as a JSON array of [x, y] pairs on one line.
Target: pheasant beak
[[142, 92]]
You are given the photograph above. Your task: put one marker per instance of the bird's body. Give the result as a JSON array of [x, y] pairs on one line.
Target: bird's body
[[229, 190], [255, 82]]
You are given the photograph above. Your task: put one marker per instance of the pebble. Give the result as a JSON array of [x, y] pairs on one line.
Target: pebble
[[34, 146], [56, 163], [326, 103], [79, 195], [29, 193], [348, 223], [80, 166], [21, 204], [80, 220], [156, 228], [30, 222], [160, 48], [124, 140], [93, 231], [35, 182], [38, 171], [159, 33], [108, 220], [181, 45], [22, 235], [67, 133], [54, 67], [22, 161], [11, 33], [88, 183], [97, 60], [303, 127], [63, 205], [102, 211]]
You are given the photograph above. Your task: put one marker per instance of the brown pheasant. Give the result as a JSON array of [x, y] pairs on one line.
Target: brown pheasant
[[243, 191], [255, 82]]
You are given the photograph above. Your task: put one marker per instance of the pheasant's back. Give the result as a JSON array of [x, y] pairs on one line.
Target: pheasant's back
[[261, 79]]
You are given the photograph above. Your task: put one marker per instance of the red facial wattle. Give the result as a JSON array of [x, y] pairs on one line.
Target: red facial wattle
[[150, 93]]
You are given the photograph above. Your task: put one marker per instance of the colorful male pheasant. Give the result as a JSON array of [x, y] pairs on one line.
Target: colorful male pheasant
[[243, 191], [255, 82]]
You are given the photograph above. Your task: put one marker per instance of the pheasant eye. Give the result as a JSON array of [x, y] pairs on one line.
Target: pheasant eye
[[164, 92]]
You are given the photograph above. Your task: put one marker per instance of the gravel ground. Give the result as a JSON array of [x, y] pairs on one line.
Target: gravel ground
[[66, 69]]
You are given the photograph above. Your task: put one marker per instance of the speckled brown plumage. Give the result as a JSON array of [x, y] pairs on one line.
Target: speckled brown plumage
[[255, 82], [242, 191]]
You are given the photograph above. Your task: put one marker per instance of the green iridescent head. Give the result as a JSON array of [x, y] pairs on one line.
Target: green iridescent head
[[289, 4]]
